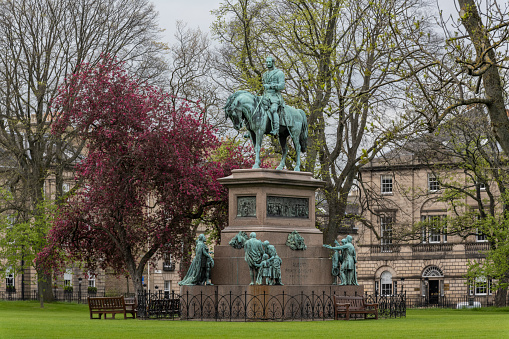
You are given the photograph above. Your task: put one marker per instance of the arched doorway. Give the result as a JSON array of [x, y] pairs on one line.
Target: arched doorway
[[432, 284]]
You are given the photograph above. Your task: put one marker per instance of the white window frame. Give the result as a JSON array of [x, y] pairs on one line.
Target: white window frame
[[481, 286], [429, 233], [91, 280], [386, 283], [386, 184], [480, 236], [433, 184], [9, 278], [386, 229], [167, 288], [68, 277]]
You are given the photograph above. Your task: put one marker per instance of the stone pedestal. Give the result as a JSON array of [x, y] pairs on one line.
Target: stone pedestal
[[273, 204]]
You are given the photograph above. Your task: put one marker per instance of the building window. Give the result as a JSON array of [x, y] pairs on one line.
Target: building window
[[91, 280], [386, 283], [386, 184], [481, 185], [9, 279], [433, 185], [481, 286], [432, 272], [434, 229], [480, 236], [386, 223], [168, 264], [167, 289], [68, 277]]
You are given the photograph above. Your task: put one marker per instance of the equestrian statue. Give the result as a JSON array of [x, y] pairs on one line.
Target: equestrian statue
[[268, 114]]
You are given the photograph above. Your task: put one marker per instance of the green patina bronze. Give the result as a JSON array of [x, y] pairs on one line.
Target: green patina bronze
[[344, 261], [273, 83], [253, 255], [269, 115], [199, 271], [275, 262], [287, 207], [262, 259], [246, 206], [295, 241], [238, 241]]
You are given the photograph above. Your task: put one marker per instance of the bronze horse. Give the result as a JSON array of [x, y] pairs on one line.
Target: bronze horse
[[245, 108]]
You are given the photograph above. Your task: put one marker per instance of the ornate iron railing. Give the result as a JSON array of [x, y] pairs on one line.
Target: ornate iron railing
[[389, 306], [452, 302], [158, 305], [248, 307], [58, 295]]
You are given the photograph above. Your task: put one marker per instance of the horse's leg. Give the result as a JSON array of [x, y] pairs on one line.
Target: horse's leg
[[284, 147], [257, 147], [295, 137]]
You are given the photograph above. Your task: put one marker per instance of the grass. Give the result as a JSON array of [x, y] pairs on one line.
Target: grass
[[62, 320]]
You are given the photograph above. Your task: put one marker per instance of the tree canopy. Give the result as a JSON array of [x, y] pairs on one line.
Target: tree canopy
[[147, 175], [43, 42]]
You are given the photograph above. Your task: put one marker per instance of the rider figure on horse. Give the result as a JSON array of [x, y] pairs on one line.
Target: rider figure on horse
[[273, 84]]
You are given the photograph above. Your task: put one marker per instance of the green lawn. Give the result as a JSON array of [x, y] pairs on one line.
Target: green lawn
[[62, 320]]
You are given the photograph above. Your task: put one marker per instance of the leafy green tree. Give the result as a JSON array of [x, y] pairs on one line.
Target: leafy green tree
[[21, 241], [346, 64], [469, 67], [43, 42], [471, 168], [147, 174]]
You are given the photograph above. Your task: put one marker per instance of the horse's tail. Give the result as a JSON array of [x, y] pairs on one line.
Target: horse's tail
[[303, 139]]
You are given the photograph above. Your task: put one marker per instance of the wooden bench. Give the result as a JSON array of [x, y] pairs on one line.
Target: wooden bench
[[131, 306], [107, 305], [353, 305]]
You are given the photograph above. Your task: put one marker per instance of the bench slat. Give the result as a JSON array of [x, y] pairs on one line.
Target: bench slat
[[353, 305], [106, 305]]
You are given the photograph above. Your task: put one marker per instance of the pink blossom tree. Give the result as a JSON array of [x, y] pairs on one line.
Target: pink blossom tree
[[150, 173]]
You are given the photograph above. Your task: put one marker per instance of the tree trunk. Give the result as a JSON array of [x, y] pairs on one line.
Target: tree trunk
[[137, 277], [44, 287], [493, 86], [337, 209], [501, 295]]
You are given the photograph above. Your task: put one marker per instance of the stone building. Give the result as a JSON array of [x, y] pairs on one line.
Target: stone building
[[429, 263]]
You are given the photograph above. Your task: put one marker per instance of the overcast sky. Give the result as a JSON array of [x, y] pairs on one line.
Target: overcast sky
[[196, 13]]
